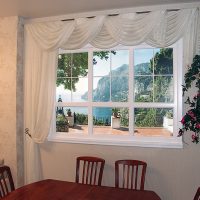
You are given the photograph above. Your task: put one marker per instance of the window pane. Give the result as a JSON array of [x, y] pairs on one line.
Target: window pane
[[142, 60], [74, 66], [119, 62], [163, 89], [63, 89], [163, 61], [152, 81], [143, 88], [110, 121], [64, 65], [101, 63], [79, 89], [79, 64], [101, 89], [119, 89], [153, 75], [153, 121], [72, 119]]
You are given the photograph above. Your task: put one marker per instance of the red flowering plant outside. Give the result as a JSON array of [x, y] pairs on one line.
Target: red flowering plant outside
[[191, 120]]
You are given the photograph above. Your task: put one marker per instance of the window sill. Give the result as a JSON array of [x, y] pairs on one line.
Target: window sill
[[138, 141]]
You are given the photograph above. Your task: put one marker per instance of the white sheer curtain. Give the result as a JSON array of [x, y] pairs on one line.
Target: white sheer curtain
[[42, 40], [40, 77]]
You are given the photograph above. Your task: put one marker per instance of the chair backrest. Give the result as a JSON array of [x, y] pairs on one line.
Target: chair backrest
[[197, 195], [130, 174], [91, 168], [6, 181]]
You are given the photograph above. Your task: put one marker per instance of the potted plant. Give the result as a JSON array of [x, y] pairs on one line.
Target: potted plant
[[115, 118], [70, 118], [116, 112], [62, 124], [69, 112], [168, 118], [191, 120]]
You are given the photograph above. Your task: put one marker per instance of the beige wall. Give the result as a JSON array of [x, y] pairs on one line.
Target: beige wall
[[11, 106], [172, 173]]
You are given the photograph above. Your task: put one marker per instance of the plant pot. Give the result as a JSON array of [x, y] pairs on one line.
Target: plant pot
[[115, 122], [70, 120], [168, 123]]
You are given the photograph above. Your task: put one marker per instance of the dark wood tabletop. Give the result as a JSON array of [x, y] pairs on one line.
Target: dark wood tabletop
[[63, 190]]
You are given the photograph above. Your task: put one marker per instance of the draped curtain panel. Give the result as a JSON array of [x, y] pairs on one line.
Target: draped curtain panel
[[42, 41]]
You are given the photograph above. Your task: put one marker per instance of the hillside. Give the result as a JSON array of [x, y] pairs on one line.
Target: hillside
[[119, 84]]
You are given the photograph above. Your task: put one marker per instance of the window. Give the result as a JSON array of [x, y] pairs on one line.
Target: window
[[124, 96]]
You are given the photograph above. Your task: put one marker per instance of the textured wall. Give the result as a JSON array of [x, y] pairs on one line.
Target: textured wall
[[10, 137], [172, 173]]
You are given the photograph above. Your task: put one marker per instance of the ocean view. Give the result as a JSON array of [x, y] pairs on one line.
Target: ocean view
[[100, 113], [110, 82]]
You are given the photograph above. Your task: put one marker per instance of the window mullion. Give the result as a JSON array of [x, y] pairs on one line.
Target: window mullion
[[110, 76], [90, 89], [179, 78], [71, 77], [131, 91], [177, 86], [153, 78]]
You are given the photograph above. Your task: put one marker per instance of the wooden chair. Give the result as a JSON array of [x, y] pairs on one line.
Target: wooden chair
[[91, 168], [197, 195], [130, 174], [6, 181]]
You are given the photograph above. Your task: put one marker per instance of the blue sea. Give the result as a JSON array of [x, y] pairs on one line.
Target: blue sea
[[98, 112]]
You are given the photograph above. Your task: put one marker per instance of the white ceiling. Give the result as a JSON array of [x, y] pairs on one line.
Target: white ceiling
[[45, 8]]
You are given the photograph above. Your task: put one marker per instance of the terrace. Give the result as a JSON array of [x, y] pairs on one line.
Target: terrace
[[158, 131]]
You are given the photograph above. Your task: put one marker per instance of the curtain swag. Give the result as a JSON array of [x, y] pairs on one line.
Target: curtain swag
[[42, 41], [158, 29]]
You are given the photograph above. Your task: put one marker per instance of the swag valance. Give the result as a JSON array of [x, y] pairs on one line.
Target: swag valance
[[158, 29], [42, 41]]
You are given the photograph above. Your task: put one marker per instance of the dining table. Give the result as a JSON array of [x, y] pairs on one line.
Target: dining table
[[50, 189]]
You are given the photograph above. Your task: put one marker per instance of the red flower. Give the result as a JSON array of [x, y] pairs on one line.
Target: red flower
[[197, 126], [183, 120], [195, 138], [191, 114]]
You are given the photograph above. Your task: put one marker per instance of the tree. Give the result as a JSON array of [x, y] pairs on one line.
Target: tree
[[162, 65], [161, 68], [162, 62], [153, 79], [72, 66]]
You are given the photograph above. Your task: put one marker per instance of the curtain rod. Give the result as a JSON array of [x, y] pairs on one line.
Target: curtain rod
[[110, 15], [141, 9]]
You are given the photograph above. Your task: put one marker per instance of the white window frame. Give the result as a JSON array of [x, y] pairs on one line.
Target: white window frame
[[127, 140]]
